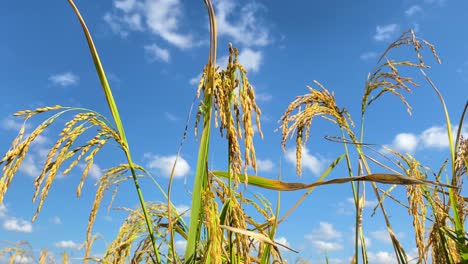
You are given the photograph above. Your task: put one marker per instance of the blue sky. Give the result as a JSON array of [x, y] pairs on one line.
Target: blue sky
[[154, 51]]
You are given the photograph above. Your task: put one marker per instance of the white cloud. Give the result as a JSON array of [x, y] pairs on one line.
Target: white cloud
[[381, 257], [383, 236], [56, 220], [69, 244], [283, 241], [11, 124], [367, 203], [95, 171], [170, 116], [264, 165], [368, 55], [156, 53], [263, 97], [386, 32], [180, 246], [433, 137], [248, 27], [125, 5], [309, 162], [160, 17], [195, 80], [405, 142], [183, 209], [413, 10], [325, 246], [17, 225], [325, 231], [250, 59], [64, 79], [163, 165], [29, 166]]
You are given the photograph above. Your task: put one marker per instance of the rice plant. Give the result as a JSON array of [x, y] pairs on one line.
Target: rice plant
[[220, 229]]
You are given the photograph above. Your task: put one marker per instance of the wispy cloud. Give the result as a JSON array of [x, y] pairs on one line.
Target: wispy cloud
[[383, 236], [381, 257], [56, 220], [3, 211], [170, 117], [248, 28], [155, 53], [412, 10], [64, 79], [68, 244], [10, 123], [163, 165], [159, 17], [384, 33], [368, 55], [309, 162], [195, 80], [263, 97]]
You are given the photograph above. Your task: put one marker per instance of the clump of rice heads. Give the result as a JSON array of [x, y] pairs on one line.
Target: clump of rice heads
[[234, 106], [22, 252], [133, 244], [386, 77], [66, 154], [297, 119]]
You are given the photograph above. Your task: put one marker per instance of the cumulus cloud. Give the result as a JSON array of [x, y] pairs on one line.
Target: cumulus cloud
[[64, 79], [309, 162], [155, 53], [68, 244], [414, 9], [159, 17], [163, 165], [95, 171], [386, 32], [264, 165], [325, 230], [326, 246], [17, 225], [241, 24], [433, 137], [381, 257], [249, 58]]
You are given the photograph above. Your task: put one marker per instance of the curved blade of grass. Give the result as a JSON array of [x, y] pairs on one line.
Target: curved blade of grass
[[293, 186], [118, 122]]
